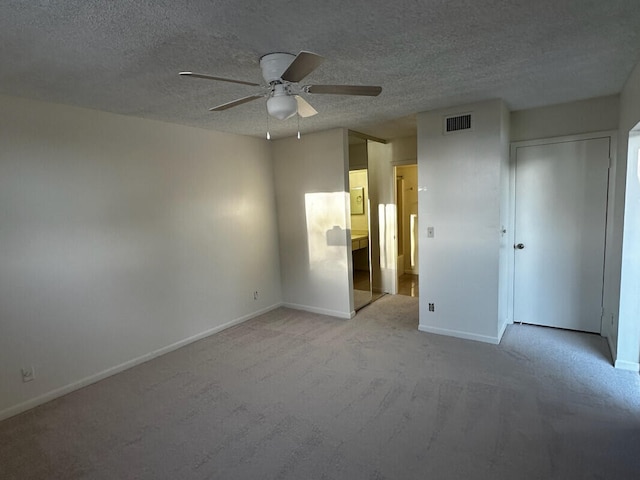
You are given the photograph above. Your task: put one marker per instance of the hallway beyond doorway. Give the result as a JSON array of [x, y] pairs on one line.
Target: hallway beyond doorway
[[408, 285]]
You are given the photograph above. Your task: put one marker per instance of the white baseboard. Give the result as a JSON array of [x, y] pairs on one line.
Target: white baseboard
[[460, 334], [59, 392], [502, 329], [621, 364], [321, 311], [612, 346], [625, 365]]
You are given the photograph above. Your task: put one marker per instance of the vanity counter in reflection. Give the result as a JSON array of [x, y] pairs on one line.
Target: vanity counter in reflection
[[359, 239]]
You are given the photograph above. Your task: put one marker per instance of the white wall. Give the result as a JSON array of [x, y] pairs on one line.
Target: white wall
[[404, 150], [626, 245], [311, 178], [460, 179], [584, 116], [120, 237]]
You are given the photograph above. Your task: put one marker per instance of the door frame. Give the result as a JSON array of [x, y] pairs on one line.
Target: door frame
[[399, 239], [608, 303]]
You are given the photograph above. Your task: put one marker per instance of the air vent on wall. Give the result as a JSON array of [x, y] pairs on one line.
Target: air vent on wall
[[458, 123]]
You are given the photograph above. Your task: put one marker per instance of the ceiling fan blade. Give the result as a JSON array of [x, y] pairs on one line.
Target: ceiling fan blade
[[220, 79], [302, 65], [304, 108], [370, 91], [234, 103]]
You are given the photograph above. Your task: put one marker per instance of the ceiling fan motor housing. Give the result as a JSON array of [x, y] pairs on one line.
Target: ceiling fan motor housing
[[273, 65]]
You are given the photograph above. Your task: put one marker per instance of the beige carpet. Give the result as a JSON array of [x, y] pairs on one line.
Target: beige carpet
[[293, 395]]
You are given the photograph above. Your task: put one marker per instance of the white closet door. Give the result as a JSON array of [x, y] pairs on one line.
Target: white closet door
[[560, 223]]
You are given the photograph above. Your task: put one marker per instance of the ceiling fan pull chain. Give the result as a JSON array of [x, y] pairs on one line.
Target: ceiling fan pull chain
[[268, 134]]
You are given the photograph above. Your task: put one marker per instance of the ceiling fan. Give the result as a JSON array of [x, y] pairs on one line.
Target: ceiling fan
[[282, 72]]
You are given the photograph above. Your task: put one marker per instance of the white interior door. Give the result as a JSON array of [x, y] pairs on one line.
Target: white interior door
[[560, 224]]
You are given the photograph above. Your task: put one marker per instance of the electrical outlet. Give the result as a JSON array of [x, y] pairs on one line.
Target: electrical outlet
[[28, 374], [255, 295], [432, 307]]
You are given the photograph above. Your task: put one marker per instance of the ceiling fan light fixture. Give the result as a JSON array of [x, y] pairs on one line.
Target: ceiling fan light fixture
[[281, 105]]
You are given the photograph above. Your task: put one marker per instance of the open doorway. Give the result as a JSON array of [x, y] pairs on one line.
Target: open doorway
[[406, 191]]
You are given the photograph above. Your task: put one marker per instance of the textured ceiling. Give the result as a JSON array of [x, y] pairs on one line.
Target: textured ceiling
[[124, 56]]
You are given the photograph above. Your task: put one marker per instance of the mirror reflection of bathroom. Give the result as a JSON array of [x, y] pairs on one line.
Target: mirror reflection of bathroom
[[407, 207], [360, 225]]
